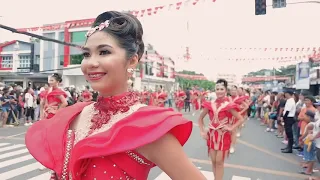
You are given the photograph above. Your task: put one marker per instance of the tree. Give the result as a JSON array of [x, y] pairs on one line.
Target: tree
[[188, 83]]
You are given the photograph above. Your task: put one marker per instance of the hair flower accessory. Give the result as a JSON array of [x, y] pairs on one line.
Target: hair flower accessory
[[100, 27], [220, 84]]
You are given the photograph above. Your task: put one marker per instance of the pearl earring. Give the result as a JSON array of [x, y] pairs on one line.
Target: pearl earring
[[130, 70]]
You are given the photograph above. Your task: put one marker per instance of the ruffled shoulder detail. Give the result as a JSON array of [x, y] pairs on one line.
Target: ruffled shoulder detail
[[45, 139], [145, 126], [231, 105], [241, 99], [57, 92], [207, 105]]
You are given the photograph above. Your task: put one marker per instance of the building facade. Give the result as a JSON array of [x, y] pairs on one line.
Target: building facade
[[153, 69], [19, 64], [231, 78]]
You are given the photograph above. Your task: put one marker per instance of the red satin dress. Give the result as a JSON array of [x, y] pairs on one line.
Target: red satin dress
[[220, 116], [52, 100], [238, 100], [109, 154], [195, 100], [180, 101]]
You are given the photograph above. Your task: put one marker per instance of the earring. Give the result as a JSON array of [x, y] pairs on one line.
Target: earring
[[130, 70]]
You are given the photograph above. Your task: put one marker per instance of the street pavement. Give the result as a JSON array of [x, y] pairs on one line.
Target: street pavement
[[257, 157]]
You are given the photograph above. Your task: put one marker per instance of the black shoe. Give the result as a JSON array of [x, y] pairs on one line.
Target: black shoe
[[287, 151], [282, 149], [295, 147]]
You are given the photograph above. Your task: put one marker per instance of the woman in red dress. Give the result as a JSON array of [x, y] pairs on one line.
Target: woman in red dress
[[144, 96], [160, 97], [241, 102], [221, 125], [116, 137], [54, 98], [195, 100], [86, 95], [181, 96]]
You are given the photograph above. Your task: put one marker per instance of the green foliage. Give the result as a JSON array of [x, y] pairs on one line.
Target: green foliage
[[285, 71], [188, 83]]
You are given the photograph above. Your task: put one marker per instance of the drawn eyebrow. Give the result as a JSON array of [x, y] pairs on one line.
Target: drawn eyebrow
[[98, 47]]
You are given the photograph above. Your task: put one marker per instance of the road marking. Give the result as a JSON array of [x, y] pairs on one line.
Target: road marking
[[3, 144], [248, 168], [42, 176], [11, 147], [268, 152], [240, 178], [209, 175], [6, 155], [20, 171], [5, 137], [15, 161]]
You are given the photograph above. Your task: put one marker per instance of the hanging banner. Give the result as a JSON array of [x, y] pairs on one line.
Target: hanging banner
[[303, 75]]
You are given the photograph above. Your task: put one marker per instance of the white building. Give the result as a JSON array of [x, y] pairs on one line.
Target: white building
[[19, 64], [231, 78]]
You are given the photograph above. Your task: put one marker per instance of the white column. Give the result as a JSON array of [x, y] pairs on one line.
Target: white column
[[41, 55], [66, 81], [56, 51], [15, 60]]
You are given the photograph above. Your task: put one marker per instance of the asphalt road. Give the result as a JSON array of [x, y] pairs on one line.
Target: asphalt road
[[257, 157]]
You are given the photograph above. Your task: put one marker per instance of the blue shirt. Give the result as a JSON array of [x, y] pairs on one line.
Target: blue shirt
[[5, 99]]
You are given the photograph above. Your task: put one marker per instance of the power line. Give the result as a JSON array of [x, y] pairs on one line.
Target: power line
[[38, 36]]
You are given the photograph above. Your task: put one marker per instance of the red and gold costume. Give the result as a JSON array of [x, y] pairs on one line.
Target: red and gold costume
[[144, 97], [220, 116], [203, 95], [86, 95], [52, 101], [159, 98], [181, 95], [104, 146], [238, 100], [195, 99]]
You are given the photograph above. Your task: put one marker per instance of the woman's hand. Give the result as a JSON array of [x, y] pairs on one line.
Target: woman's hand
[[204, 135], [228, 128]]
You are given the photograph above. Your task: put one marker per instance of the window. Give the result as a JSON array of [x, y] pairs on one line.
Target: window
[[165, 71], [24, 61], [78, 37], [37, 59], [76, 59], [6, 62]]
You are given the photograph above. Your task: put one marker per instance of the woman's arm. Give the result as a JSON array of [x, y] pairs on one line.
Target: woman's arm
[[203, 114], [169, 156], [239, 118], [64, 102]]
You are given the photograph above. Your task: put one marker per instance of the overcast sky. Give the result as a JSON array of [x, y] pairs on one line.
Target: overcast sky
[[225, 23]]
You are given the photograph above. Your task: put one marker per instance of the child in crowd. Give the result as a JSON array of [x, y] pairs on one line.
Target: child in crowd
[[309, 147]]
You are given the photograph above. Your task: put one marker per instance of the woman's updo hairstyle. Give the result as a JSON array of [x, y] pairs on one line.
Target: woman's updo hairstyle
[[223, 82], [57, 77], [126, 28]]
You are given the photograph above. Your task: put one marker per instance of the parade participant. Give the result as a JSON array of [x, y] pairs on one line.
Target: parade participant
[[54, 98], [86, 95], [42, 96], [239, 100], [144, 96], [159, 97], [195, 100], [221, 126], [180, 98], [117, 137]]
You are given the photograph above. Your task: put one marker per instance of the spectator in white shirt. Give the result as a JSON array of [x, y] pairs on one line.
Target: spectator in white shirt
[[288, 119], [29, 104]]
